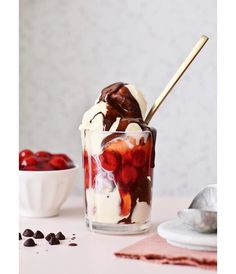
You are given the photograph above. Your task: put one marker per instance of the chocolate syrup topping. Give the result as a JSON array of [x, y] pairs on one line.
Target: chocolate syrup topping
[[72, 244], [141, 191], [120, 104]]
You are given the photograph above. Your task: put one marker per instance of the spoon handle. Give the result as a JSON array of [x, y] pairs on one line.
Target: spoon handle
[[183, 67]]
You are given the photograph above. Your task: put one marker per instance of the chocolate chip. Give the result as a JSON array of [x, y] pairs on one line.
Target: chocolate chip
[[20, 238], [38, 235], [28, 233], [49, 236], [54, 241], [72, 244], [29, 242], [73, 234], [73, 238], [60, 236]]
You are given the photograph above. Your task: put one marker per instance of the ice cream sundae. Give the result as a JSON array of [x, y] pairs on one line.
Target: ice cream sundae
[[118, 159]]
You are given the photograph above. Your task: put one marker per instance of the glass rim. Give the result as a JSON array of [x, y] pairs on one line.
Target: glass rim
[[106, 132]]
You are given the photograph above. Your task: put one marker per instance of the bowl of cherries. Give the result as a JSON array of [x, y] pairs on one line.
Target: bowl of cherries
[[45, 181]]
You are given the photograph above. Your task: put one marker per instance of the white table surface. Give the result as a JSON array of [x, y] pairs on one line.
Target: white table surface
[[94, 253]]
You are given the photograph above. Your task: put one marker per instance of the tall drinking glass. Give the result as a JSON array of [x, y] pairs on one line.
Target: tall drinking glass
[[118, 173]]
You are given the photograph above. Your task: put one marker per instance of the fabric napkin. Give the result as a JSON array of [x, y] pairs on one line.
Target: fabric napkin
[[156, 249]]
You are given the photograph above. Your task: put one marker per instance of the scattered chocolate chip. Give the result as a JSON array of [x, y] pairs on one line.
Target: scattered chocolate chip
[[20, 238], [29, 242], [60, 236], [49, 236], [54, 241], [73, 238], [38, 235], [73, 234], [72, 244], [28, 233]]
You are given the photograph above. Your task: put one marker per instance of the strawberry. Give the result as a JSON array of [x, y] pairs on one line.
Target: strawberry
[[58, 163], [110, 160], [128, 174], [139, 156]]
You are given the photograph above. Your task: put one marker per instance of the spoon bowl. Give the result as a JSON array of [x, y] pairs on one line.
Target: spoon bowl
[[201, 215], [200, 220]]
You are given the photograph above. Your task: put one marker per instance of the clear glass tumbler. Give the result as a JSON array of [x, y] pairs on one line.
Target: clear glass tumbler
[[118, 172]]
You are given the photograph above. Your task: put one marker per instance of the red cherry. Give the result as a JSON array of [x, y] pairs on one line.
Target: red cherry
[[128, 174], [125, 204], [85, 159], [110, 160], [138, 157], [118, 145], [58, 162], [46, 166], [29, 161], [24, 154], [43, 154], [86, 178], [94, 170], [90, 167], [30, 168], [42, 160], [127, 157], [64, 156], [86, 169]]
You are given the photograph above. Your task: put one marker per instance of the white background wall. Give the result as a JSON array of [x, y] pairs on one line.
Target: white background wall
[[70, 50]]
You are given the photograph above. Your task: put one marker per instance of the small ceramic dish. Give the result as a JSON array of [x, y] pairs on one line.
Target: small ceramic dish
[[42, 193]]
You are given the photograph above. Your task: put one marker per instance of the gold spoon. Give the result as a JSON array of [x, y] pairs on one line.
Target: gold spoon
[[183, 67]]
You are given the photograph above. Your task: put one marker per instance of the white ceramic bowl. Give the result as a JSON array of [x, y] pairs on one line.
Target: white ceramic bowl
[[42, 193]]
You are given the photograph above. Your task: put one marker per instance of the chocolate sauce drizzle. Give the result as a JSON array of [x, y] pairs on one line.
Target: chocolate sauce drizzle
[[120, 104], [141, 191]]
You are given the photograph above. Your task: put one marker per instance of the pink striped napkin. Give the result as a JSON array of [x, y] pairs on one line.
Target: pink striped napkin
[[155, 249]]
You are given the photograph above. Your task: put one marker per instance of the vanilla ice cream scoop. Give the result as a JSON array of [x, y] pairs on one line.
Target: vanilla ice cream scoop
[[120, 107]]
